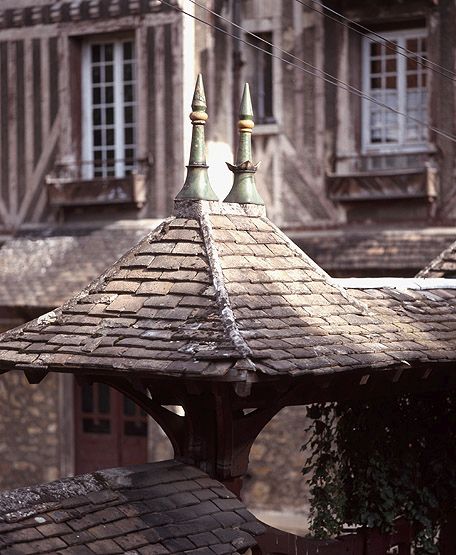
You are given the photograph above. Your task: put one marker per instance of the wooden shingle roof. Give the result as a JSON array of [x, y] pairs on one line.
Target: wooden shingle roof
[[217, 290], [161, 508]]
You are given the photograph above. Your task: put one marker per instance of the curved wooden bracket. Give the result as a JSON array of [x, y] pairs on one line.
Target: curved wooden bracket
[[173, 425]]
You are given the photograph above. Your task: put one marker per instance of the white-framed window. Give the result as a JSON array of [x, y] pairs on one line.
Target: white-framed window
[[399, 82], [109, 108]]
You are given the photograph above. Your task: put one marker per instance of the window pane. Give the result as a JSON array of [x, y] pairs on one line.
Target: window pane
[[87, 398], [375, 49], [109, 74], [129, 114], [376, 66], [109, 116], [376, 83], [110, 137], [412, 44], [391, 82], [95, 53], [391, 65], [96, 77], [104, 398], [96, 95], [128, 93], [135, 428], [97, 138], [129, 407], [412, 81], [109, 95], [96, 114], [93, 426], [128, 72], [109, 52], [129, 136], [128, 50]]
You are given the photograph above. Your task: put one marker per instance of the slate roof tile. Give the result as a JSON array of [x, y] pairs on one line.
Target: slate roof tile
[[443, 265], [207, 302], [114, 514], [353, 250]]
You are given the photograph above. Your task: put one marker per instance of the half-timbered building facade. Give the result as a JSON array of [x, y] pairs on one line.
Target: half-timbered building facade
[[84, 89], [87, 88]]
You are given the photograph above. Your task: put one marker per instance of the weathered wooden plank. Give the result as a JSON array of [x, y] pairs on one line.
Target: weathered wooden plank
[[40, 31], [126, 23], [142, 91], [37, 112], [170, 67], [37, 179], [177, 130], [54, 74], [12, 124], [39, 206], [44, 95], [15, 4], [151, 111], [21, 160], [4, 133], [161, 123], [29, 127]]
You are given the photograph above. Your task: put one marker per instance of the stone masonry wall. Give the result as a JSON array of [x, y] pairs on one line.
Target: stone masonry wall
[[28, 430], [275, 481]]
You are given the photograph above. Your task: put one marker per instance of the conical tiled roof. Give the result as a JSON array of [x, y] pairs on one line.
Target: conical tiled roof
[[216, 290]]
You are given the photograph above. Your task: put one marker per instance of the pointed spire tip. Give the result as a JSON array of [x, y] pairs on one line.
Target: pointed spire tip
[[246, 109], [199, 96]]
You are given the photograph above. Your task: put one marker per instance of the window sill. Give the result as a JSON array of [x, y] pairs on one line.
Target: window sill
[[266, 129], [398, 150], [417, 183], [100, 191]]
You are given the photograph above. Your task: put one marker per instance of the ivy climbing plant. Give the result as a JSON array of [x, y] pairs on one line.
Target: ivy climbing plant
[[372, 462]]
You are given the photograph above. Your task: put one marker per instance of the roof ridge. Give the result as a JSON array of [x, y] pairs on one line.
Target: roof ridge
[[435, 262], [221, 294]]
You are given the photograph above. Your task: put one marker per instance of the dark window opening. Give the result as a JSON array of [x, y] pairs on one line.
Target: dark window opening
[[260, 76]]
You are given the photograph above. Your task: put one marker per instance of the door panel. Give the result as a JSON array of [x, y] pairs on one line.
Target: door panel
[[111, 430]]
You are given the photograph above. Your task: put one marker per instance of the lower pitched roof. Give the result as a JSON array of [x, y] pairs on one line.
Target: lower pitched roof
[[157, 508], [45, 266], [443, 265], [373, 250]]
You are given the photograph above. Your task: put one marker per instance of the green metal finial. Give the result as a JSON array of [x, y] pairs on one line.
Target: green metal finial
[[244, 190], [197, 186]]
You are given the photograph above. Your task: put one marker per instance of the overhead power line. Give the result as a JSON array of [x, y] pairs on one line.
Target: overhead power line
[[314, 71], [362, 30]]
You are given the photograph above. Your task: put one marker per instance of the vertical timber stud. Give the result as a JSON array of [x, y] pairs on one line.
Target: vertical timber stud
[[197, 186], [244, 189]]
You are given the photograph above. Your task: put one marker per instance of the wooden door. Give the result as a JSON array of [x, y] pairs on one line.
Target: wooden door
[[111, 430]]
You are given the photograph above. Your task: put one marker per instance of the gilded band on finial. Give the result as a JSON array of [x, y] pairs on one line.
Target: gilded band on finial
[[244, 189]]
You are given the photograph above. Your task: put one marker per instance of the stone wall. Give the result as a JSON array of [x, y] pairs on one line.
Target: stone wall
[[28, 430], [275, 481]]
